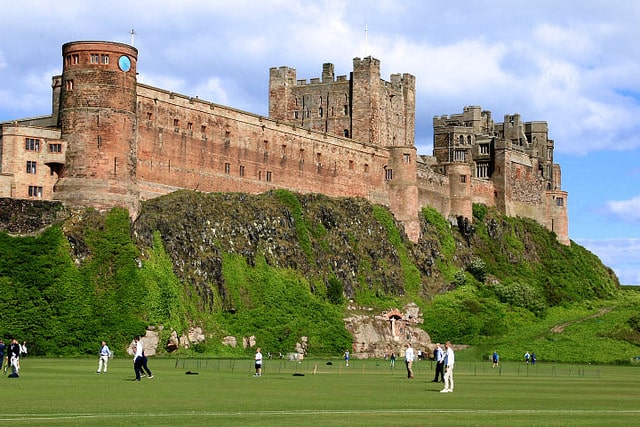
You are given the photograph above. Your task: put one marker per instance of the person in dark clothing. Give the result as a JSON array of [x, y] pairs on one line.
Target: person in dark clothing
[[14, 358], [438, 355]]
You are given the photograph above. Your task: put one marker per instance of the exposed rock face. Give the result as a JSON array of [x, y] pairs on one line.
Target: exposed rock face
[[19, 216], [379, 335]]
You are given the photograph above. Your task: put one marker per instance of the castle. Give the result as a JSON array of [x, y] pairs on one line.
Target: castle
[[112, 141]]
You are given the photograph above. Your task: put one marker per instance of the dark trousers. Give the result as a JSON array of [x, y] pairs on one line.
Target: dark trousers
[[137, 367], [144, 366], [439, 372]]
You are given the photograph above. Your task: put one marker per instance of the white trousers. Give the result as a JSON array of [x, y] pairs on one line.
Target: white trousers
[[104, 360], [15, 365], [448, 378]]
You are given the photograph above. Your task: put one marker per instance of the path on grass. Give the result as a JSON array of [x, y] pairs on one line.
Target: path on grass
[[561, 327]]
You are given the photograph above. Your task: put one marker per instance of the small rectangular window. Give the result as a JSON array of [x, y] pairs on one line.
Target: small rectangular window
[[241, 170], [55, 148], [35, 191], [268, 176], [407, 158], [463, 179], [32, 144], [388, 174], [227, 168], [149, 116], [203, 129], [31, 167], [560, 201], [68, 84], [75, 59], [95, 58], [104, 59]]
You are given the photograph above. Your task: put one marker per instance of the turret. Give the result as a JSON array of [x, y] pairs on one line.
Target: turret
[[97, 117]]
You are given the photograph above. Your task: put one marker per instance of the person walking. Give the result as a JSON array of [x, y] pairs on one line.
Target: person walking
[[495, 358], [258, 362], [138, 357], [449, 360], [392, 360], [346, 358], [438, 355], [408, 360], [104, 356], [144, 367]]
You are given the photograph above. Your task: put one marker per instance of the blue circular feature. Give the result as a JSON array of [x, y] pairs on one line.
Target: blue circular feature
[[124, 63]]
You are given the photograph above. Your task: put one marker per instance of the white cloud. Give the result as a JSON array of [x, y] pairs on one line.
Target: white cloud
[[619, 254], [626, 210]]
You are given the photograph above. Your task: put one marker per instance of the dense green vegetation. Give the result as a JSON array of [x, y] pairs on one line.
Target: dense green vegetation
[[495, 283]]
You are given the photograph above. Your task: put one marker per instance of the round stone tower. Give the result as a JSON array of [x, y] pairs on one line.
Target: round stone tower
[[97, 118]]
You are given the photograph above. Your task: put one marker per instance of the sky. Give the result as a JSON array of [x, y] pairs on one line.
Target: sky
[[574, 64]]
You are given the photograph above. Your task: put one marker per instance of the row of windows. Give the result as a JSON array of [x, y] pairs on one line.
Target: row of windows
[[33, 144], [227, 170], [96, 58], [268, 175], [307, 113]]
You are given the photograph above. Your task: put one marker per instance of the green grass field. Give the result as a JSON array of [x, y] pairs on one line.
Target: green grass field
[[367, 393]]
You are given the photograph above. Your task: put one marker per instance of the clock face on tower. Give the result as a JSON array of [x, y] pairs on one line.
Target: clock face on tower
[[124, 63]]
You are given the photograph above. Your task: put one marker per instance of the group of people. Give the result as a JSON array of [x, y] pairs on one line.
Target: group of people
[[445, 359], [12, 358], [140, 361], [530, 358]]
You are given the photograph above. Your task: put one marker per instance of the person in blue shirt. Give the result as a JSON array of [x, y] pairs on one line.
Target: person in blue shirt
[[105, 354], [495, 358], [438, 355]]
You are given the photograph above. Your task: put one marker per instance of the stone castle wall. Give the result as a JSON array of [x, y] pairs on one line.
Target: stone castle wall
[[116, 142]]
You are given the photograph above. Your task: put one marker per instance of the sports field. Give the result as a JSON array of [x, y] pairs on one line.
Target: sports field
[[367, 393]]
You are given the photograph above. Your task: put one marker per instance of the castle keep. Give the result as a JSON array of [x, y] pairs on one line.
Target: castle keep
[[112, 141]]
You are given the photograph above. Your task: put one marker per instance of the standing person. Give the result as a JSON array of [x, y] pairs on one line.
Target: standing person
[[104, 356], [495, 358], [258, 362], [2, 349], [449, 360], [526, 357], [23, 349], [408, 360], [533, 358], [392, 359], [137, 357], [14, 357], [346, 358], [438, 355]]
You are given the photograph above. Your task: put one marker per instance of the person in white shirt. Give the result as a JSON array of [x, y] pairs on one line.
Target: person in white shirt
[[408, 360], [449, 360], [138, 358], [105, 354], [258, 362]]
